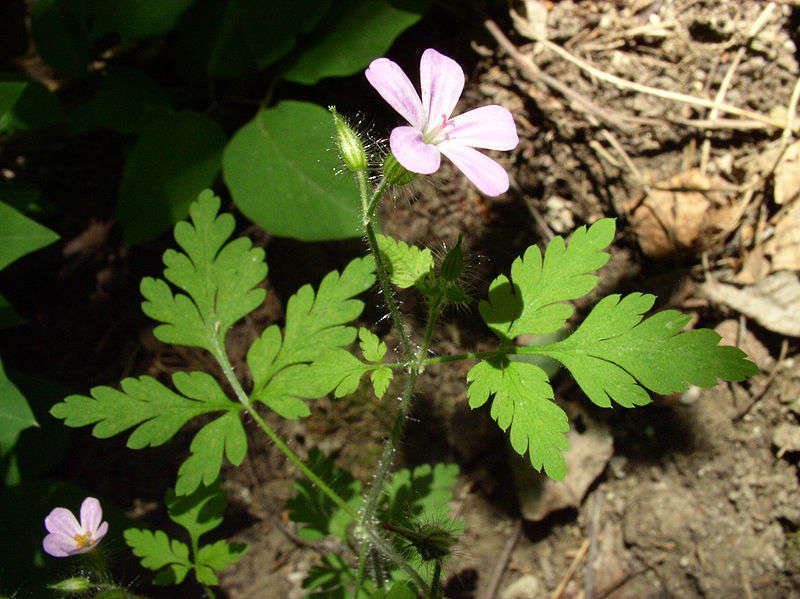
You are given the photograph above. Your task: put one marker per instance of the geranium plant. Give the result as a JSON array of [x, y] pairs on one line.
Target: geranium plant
[[397, 528]]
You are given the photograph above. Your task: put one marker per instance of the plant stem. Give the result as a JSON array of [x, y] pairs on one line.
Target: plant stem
[[369, 531], [412, 360]]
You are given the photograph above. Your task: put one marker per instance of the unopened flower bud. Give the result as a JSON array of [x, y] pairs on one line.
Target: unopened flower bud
[[74, 584], [396, 173], [351, 149]]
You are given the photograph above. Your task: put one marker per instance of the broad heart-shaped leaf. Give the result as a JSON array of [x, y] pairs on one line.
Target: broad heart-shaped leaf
[[282, 366], [19, 235], [614, 354], [215, 558], [158, 413], [284, 177], [530, 303], [522, 401], [15, 413], [158, 551], [177, 155], [407, 264], [218, 276], [349, 37]]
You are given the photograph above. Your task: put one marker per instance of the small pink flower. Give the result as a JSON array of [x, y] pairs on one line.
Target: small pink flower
[[67, 537], [432, 132]]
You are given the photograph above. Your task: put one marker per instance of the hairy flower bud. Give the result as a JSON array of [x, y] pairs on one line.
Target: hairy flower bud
[[396, 173], [351, 149], [74, 584]]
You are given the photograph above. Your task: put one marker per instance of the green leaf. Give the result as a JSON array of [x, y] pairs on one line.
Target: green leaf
[[36, 108], [381, 379], [175, 158], [158, 414], [199, 512], [399, 590], [10, 91], [215, 558], [19, 235], [357, 32], [332, 578], [422, 494], [283, 175], [127, 99], [408, 264], [316, 515], [15, 413], [136, 19], [314, 328], [615, 355], [271, 28], [219, 278], [522, 401], [225, 435], [530, 303], [372, 347], [158, 551]]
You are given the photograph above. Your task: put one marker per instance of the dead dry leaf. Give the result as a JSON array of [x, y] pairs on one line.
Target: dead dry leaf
[[773, 302], [589, 452], [681, 213], [755, 267], [787, 175], [784, 245]]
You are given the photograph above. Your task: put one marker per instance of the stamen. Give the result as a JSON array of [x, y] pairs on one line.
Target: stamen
[[83, 540]]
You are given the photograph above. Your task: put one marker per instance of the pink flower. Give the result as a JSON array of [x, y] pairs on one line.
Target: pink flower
[[67, 537], [432, 132]]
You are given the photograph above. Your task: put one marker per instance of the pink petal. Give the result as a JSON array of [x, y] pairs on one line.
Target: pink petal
[[62, 522], [487, 175], [91, 514], [413, 153], [98, 535], [442, 82], [490, 127], [395, 87], [58, 545]]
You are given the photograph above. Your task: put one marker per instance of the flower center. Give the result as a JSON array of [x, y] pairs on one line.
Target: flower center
[[83, 540], [438, 133]]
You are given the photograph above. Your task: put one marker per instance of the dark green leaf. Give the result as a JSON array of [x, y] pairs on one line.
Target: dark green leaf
[[19, 235], [15, 413], [357, 32], [174, 159], [283, 175]]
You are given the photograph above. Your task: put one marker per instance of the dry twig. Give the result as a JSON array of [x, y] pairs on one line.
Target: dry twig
[[490, 592], [562, 586]]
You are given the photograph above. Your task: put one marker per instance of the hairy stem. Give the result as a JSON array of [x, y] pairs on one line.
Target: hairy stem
[[412, 359], [369, 531]]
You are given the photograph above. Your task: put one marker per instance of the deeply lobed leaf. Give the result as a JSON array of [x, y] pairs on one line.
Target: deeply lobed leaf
[[407, 264], [218, 279], [158, 551], [522, 400], [157, 413], [615, 354], [308, 361], [530, 301]]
